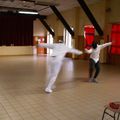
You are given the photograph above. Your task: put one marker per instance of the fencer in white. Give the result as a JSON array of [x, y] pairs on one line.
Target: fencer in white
[[56, 60]]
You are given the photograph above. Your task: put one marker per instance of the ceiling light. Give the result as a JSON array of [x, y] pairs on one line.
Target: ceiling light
[[26, 12]]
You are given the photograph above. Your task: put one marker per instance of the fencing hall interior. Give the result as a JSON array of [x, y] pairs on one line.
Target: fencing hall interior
[[24, 65]]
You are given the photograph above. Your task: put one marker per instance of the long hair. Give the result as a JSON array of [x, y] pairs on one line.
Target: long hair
[[94, 45]]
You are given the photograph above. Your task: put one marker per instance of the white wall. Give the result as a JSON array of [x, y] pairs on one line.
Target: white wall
[[38, 28], [16, 50], [97, 9], [114, 11]]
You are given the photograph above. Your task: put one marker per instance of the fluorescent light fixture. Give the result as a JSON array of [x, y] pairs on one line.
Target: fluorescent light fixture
[[26, 12]]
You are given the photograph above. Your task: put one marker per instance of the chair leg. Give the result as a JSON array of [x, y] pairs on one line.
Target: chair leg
[[114, 116], [104, 113], [118, 116]]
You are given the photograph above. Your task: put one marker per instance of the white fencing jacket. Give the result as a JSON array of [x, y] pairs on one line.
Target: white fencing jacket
[[95, 53], [60, 49]]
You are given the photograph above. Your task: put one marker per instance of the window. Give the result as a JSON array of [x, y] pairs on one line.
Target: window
[[49, 41], [67, 38], [115, 36]]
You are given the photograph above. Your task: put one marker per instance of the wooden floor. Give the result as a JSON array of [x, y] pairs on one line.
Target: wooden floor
[[22, 96]]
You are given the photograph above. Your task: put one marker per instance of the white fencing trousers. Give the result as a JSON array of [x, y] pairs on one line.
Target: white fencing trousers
[[54, 66]]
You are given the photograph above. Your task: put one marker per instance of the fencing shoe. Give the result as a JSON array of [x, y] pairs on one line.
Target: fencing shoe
[[95, 81], [47, 90], [90, 79]]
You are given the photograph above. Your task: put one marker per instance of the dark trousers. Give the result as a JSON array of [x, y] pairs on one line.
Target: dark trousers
[[92, 66]]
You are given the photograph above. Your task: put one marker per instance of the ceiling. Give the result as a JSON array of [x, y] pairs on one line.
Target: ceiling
[[42, 6]]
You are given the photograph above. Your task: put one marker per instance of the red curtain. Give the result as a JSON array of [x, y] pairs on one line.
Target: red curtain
[[115, 38], [16, 30], [89, 35]]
